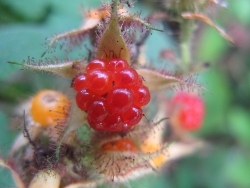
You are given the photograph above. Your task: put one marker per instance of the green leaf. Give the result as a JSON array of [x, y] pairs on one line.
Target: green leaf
[[239, 125], [14, 174], [237, 171], [217, 102]]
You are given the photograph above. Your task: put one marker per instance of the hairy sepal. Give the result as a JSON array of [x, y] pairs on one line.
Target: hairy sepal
[[67, 69], [137, 20], [112, 44], [159, 80]]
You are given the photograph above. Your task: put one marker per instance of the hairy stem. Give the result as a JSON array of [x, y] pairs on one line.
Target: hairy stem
[[187, 27]]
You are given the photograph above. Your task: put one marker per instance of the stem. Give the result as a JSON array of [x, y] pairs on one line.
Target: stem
[[187, 27], [185, 53]]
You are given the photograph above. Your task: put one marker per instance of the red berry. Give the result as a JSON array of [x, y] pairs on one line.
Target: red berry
[[115, 65], [112, 122], [140, 80], [123, 127], [132, 116], [111, 108], [141, 95], [126, 77], [96, 125], [79, 82], [96, 64], [99, 81], [120, 99], [85, 98], [97, 111], [188, 110]]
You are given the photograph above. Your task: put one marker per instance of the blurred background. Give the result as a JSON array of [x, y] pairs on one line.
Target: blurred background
[[24, 26]]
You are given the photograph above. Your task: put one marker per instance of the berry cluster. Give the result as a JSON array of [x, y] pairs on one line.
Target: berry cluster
[[188, 110], [112, 93]]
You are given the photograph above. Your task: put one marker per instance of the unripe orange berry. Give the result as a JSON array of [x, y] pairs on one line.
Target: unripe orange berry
[[124, 144], [49, 107]]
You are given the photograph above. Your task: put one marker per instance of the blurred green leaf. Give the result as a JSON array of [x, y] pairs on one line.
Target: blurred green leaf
[[212, 46], [6, 180], [6, 135], [239, 125], [238, 169], [217, 102], [241, 10]]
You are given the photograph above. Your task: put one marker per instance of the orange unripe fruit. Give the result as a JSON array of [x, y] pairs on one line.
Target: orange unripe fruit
[[124, 144], [49, 107]]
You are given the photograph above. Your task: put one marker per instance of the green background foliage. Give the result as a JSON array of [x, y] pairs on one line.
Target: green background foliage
[[25, 24]]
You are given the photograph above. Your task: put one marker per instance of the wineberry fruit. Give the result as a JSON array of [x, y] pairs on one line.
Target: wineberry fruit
[[112, 122], [188, 110], [141, 95], [96, 64], [98, 111], [99, 81], [79, 82], [112, 93], [120, 99], [126, 77], [115, 65], [132, 116], [85, 98]]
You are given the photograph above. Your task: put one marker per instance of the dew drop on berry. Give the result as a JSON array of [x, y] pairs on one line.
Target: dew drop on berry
[[85, 98], [126, 77], [79, 82], [141, 95], [99, 81], [132, 116], [96, 64], [120, 99], [115, 65]]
